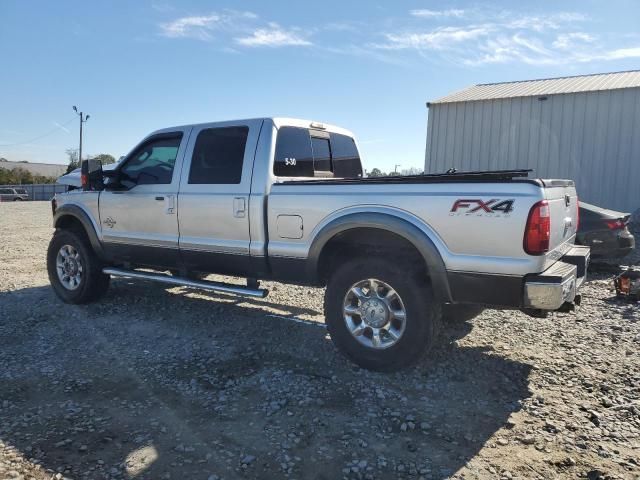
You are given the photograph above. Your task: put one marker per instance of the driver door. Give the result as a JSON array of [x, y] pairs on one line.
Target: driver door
[[139, 222]]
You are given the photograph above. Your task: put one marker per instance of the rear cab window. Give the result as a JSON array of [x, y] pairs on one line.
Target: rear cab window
[[302, 152]]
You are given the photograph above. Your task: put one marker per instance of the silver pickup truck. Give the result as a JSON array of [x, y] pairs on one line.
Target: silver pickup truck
[[284, 199]]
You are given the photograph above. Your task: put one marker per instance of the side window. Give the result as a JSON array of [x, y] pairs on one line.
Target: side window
[[321, 155], [294, 157], [346, 159], [153, 162], [6, 191], [218, 156]]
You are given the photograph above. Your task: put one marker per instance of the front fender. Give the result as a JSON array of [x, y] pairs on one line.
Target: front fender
[[74, 211], [391, 223]]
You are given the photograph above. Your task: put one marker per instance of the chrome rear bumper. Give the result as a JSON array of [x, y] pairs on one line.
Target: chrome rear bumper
[[559, 284]]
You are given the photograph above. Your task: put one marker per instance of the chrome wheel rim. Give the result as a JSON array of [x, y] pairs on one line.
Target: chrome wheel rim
[[374, 313], [69, 267]]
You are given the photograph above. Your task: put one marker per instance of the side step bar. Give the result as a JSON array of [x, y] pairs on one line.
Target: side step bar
[[185, 282]]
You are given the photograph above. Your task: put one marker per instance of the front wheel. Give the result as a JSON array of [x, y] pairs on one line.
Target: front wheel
[[75, 271], [379, 315]]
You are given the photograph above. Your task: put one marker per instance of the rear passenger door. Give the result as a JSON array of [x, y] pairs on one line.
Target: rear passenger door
[[213, 213]]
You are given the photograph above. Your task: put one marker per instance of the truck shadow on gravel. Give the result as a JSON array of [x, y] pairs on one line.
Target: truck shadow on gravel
[[150, 384]]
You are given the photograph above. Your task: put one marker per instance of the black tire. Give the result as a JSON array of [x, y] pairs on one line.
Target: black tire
[[460, 313], [93, 283], [422, 322], [17, 199]]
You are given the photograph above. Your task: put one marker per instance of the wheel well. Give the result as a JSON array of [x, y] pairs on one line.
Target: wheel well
[[360, 242], [69, 222]]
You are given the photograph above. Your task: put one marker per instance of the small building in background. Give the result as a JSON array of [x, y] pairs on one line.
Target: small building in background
[[53, 170], [586, 128]]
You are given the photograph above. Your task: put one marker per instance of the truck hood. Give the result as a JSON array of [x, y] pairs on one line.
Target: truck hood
[[73, 178]]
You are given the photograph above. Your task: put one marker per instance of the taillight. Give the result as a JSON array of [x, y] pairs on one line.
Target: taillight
[[538, 230], [84, 181], [617, 224]]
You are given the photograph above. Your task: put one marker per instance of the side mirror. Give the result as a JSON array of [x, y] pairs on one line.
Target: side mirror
[[91, 175]]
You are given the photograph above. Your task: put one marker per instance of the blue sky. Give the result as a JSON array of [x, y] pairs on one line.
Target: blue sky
[[368, 66]]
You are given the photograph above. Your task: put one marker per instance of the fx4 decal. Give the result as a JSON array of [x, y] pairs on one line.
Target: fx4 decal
[[471, 206]]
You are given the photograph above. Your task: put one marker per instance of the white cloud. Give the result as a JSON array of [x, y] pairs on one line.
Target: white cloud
[[505, 37], [569, 41], [273, 36], [438, 39], [426, 13], [202, 26], [540, 23], [196, 27]]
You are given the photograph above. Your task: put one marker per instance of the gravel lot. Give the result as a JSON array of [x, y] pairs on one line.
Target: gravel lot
[[157, 382]]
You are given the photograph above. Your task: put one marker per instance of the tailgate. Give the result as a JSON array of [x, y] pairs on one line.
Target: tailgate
[[563, 205]]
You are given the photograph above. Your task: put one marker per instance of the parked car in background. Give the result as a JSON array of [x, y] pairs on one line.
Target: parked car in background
[[9, 194], [605, 231]]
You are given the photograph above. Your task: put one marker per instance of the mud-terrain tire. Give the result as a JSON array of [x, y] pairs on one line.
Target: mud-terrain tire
[[75, 271], [460, 313], [402, 339]]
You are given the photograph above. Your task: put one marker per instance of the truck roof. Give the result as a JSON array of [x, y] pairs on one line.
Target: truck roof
[[277, 122]]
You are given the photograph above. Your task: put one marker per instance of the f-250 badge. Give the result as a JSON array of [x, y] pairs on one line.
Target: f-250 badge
[[490, 208], [109, 222]]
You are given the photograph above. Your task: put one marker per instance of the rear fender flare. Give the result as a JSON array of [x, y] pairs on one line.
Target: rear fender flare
[[407, 228]]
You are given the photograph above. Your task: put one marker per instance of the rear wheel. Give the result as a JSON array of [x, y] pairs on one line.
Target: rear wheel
[[17, 199], [380, 316], [75, 271]]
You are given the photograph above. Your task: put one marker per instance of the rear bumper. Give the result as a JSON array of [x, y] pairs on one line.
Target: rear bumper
[[546, 291], [559, 284]]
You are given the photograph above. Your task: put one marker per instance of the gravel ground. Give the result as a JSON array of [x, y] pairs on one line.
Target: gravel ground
[[156, 382]]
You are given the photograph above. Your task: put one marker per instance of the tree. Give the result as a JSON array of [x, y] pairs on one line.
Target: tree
[[376, 172], [74, 162], [105, 158]]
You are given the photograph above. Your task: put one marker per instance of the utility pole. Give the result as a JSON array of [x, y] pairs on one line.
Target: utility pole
[[394, 171], [83, 119]]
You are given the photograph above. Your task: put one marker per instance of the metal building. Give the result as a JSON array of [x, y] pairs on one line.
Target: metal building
[[586, 128]]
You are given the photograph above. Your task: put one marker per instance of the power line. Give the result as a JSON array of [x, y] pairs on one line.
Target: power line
[[51, 132]]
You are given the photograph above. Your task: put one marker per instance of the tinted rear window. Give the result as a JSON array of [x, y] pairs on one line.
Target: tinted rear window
[[294, 157], [321, 154], [346, 159], [301, 153]]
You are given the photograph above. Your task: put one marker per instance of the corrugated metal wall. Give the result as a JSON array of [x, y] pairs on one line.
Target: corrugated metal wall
[[591, 137]]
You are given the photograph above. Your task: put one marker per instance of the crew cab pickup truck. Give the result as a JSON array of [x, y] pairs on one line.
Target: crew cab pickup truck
[[285, 200]]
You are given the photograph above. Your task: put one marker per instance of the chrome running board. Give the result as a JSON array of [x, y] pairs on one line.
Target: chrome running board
[[185, 282]]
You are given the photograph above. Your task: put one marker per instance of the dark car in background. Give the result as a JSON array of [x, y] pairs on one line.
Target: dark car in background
[[605, 231]]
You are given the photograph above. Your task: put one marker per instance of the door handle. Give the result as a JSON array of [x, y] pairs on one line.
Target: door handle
[[239, 207], [169, 202]]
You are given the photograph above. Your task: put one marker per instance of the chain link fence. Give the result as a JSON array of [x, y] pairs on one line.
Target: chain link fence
[[41, 191]]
